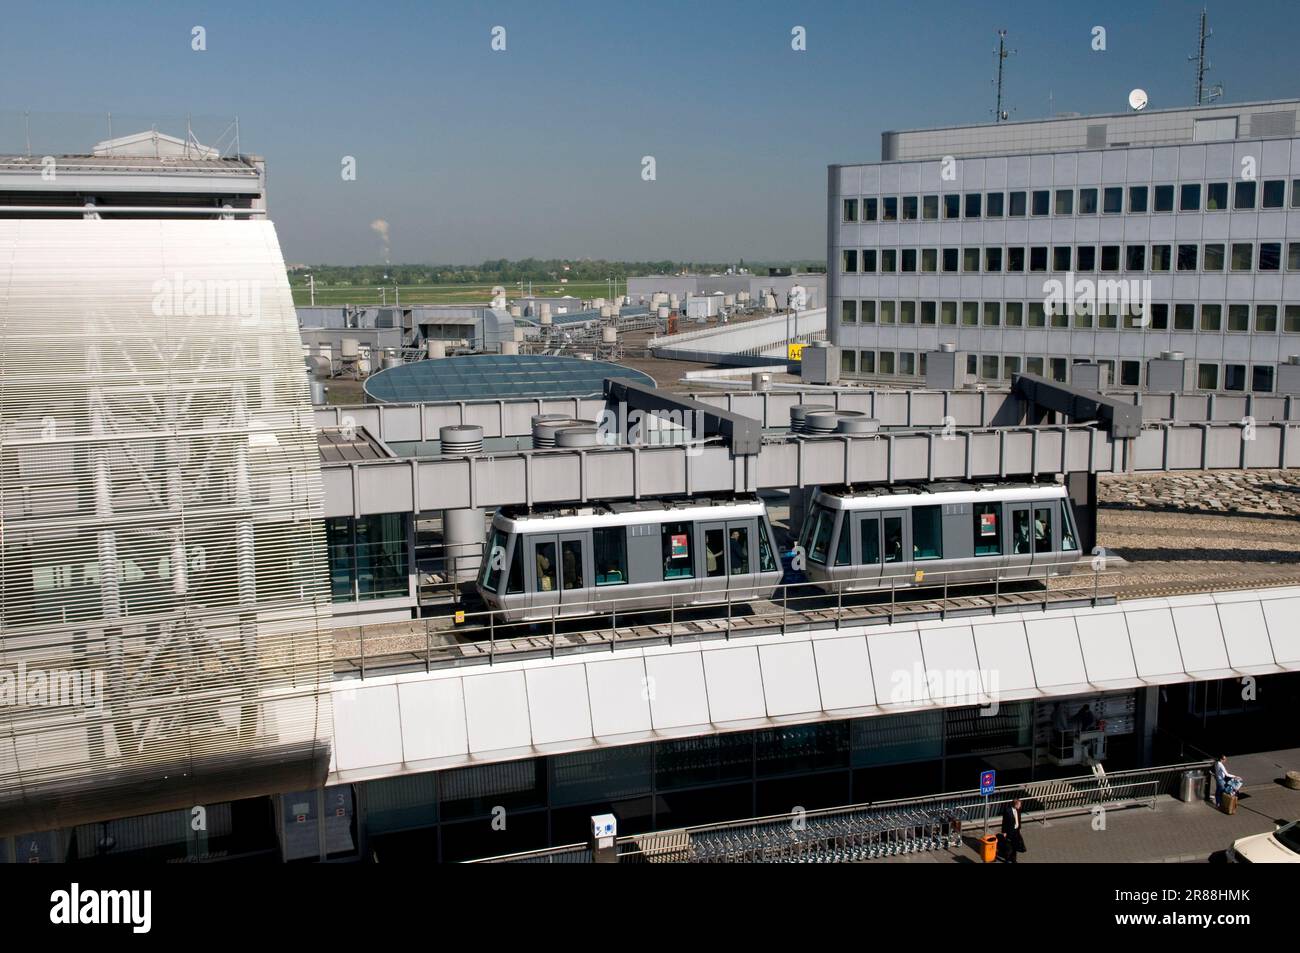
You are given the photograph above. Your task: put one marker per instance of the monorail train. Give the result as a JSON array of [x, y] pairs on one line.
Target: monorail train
[[615, 557], [945, 532]]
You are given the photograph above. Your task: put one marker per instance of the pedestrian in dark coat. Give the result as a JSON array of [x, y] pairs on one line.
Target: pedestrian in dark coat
[[1013, 842]]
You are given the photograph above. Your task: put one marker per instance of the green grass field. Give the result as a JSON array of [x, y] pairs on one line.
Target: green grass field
[[438, 294]]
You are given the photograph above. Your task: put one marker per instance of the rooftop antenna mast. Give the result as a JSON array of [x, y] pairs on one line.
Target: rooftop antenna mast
[[999, 114], [1204, 95]]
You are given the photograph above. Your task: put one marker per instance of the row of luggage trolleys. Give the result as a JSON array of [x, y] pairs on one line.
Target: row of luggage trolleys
[[863, 835]]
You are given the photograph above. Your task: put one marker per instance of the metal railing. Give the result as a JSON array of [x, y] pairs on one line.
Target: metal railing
[[471, 637], [879, 829]]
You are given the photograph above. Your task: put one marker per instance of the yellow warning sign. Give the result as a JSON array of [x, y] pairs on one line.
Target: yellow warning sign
[[794, 352]]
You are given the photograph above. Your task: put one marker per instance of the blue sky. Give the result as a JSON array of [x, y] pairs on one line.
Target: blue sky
[[471, 154]]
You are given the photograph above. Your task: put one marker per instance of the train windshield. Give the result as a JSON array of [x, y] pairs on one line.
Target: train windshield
[[821, 535], [766, 562], [494, 561]]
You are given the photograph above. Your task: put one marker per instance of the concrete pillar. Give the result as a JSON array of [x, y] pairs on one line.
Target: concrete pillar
[[798, 510], [1146, 715], [463, 533]]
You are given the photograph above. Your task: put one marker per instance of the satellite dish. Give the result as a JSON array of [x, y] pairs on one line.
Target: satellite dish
[[1138, 99]]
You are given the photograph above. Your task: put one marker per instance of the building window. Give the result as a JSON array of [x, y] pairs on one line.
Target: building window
[[1107, 320], [848, 362], [993, 259], [907, 362], [1160, 255], [1112, 201], [1291, 319], [1266, 318], [1243, 195], [972, 205], [929, 259], [849, 261], [907, 312], [1082, 319], [850, 210], [909, 259], [1159, 317], [970, 313], [1238, 317], [889, 209], [1087, 201], [1234, 377], [1016, 206], [867, 312], [1187, 257], [1213, 257], [1038, 258], [1261, 379], [1137, 198], [1110, 257], [1135, 258], [1207, 376], [1242, 256], [1216, 196], [1130, 373], [928, 312], [1015, 314], [1042, 202], [948, 312], [952, 206], [868, 260], [1061, 258], [886, 312], [1059, 369], [1010, 367], [848, 312], [1065, 201], [970, 259], [1211, 317], [889, 260], [993, 205], [909, 207], [989, 368], [1037, 315], [1189, 198], [930, 207], [950, 259], [869, 209], [1164, 198], [1293, 256], [867, 362], [1295, 193], [1034, 365], [1184, 317], [1085, 258], [368, 557], [1270, 256], [1015, 259], [887, 362], [992, 314]]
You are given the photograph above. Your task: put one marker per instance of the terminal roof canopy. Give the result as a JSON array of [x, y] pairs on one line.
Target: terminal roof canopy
[[492, 376]]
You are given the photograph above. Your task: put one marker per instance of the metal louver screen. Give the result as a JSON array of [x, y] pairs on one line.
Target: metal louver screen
[[1097, 136], [162, 617], [1279, 122]]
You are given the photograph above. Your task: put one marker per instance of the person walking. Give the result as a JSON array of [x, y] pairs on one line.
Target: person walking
[[1013, 841]]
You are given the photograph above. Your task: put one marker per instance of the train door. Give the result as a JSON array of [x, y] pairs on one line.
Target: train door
[[895, 546], [742, 559], [1020, 542], [543, 555], [866, 551], [711, 540], [1044, 529], [575, 574]]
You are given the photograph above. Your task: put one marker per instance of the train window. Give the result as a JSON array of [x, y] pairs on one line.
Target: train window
[[844, 548], [766, 562], [713, 553], [1042, 529], [676, 542], [1068, 539], [571, 550], [609, 547], [1020, 532], [988, 534], [494, 562], [738, 550], [545, 567], [515, 584], [870, 541], [893, 539], [927, 532], [821, 536]]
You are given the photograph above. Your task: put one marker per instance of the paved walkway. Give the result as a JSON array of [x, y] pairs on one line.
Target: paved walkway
[[1172, 833]]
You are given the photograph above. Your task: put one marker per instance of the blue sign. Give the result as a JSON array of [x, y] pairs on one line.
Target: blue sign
[[988, 781]]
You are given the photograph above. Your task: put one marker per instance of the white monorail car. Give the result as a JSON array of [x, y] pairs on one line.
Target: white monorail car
[[615, 557], [952, 533]]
